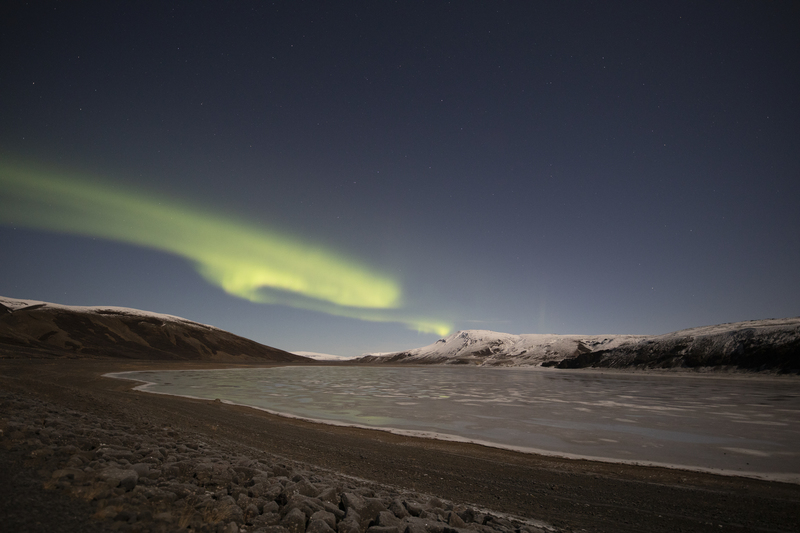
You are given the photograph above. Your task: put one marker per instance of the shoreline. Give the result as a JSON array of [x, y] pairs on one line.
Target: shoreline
[[782, 477], [565, 494]]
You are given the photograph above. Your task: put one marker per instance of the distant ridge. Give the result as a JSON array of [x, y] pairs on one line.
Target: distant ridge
[[756, 345], [32, 329], [325, 356]]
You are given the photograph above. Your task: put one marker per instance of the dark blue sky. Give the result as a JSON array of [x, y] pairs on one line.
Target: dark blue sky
[[575, 167]]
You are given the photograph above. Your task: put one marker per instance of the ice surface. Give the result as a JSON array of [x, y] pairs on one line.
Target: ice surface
[[725, 425]]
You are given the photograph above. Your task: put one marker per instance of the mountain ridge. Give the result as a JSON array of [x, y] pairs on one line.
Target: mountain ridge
[[755, 345], [35, 329]]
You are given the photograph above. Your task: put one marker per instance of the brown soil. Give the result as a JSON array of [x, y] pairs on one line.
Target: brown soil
[[571, 495]]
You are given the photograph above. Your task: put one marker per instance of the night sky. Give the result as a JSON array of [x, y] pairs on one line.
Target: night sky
[[344, 177]]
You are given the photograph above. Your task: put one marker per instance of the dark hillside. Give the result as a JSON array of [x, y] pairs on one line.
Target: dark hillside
[[45, 330]]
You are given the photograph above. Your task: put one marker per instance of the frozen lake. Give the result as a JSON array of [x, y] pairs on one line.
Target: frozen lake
[[728, 425]]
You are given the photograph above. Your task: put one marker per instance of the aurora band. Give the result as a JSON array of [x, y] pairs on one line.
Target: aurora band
[[245, 260]]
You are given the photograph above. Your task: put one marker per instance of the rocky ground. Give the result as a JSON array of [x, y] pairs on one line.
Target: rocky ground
[[156, 479], [79, 452]]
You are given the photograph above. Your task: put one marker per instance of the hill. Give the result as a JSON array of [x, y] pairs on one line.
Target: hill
[[755, 345], [41, 329]]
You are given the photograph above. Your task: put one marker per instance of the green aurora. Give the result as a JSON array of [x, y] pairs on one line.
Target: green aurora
[[243, 259]]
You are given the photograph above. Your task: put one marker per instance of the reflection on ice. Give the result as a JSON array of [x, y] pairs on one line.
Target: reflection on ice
[[736, 425]]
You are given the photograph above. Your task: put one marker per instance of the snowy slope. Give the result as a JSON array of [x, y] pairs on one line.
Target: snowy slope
[[490, 348], [30, 328], [10, 305], [757, 345], [772, 344]]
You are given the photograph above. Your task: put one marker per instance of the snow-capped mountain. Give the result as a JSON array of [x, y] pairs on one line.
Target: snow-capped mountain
[[772, 344], [31, 328], [490, 348]]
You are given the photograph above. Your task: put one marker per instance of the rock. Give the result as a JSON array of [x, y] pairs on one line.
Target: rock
[[117, 477], [309, 506], [467, 514], [352, 501], [245, 473], [272, 529], [141, 469], [267, 519], [242, 500], [366, 508], [70, 474], [328, 494], [125, 515], [327, 517], [414, 508], [437, 515], [333, 509], [303, 487], [280, 470], [211, 474], [496, 522], [250, 512], [387, 519], [224, 509], [398, 508], [350, 524], [435, 503], [270, 507], [295, 521], [106, 513], [41, 452], [423, 525], [372, 509], [319, 526], [181, 490], [383, 529], [454, 520], [268, 492]]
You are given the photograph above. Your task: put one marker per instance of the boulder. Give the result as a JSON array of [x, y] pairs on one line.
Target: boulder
[[367, 509], [319, 526], [295, 521], [398, 508], [267, 519], [307, 505], [327, 517], [303, 487], [414, 508], [454, 520], [387, 519], [351, 524], [224, 509]]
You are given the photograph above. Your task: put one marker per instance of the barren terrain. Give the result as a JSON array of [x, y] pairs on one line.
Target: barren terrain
[[568, 495]]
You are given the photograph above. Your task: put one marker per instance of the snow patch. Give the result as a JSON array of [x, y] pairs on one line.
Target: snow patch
[[324, 356]]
